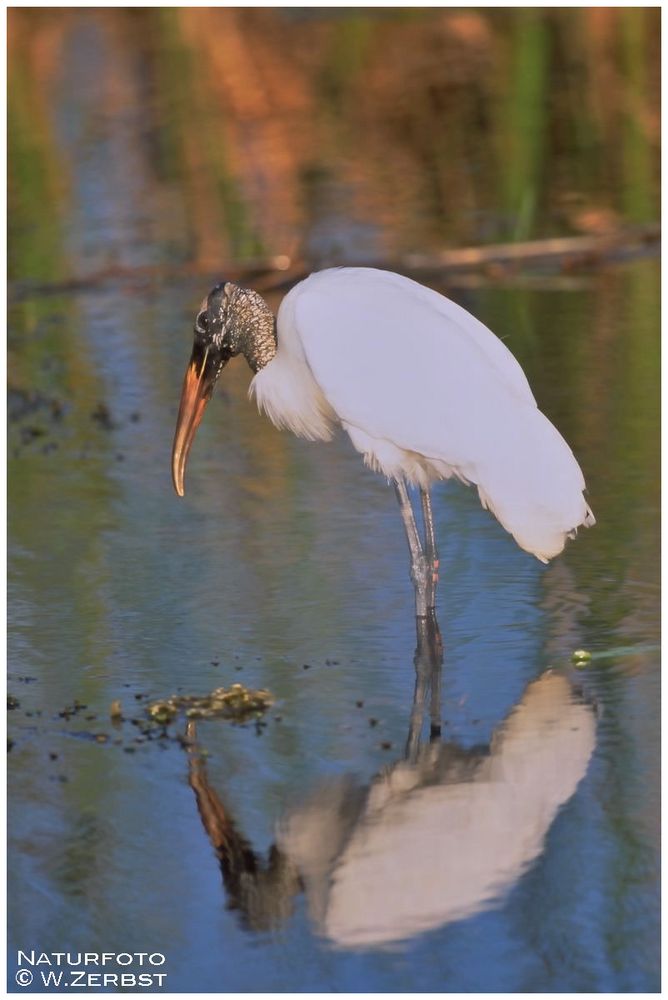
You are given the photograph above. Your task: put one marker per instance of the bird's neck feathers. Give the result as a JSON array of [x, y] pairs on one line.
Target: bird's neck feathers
[[254, 330]]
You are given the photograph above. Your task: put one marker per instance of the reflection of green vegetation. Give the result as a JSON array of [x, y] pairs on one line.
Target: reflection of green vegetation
[[170, 66], [192, 140], [244, 240], [344, 59], [636, 154], [616, 433], [634, 419], [33, 184], [524, 120], [562, 131]]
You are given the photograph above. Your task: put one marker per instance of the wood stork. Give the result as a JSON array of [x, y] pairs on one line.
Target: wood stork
[[424, 390]]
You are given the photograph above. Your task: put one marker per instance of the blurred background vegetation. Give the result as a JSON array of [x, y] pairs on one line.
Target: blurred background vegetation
[[350, 134]]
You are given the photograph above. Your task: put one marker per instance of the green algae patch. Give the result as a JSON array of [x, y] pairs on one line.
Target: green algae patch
[[236, 703]]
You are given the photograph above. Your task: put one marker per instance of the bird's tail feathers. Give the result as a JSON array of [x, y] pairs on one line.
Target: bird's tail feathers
[[534, 486]]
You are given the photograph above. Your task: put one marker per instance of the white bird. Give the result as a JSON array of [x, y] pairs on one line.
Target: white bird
[[424, 390]]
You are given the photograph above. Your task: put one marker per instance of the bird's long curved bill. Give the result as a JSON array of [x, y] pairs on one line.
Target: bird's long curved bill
[[197, 388]]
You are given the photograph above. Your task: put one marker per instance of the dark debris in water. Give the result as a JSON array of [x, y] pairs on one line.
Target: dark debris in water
[[22, 403], [74, 709], [149, 723], [91, 737], [31, 431], [34, 414], [102, 416]]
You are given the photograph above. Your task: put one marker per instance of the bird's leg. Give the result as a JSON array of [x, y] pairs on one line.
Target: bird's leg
[[419, 698], [436, 655], [419, 569], [431, 551], [428, 661]]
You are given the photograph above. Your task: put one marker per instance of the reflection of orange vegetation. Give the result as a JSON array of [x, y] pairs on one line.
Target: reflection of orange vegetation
[[266, 71], [404, 131], [436, 53], [389, 119], [25, 45], [427, 82], [34, 47], [608, 92], [262, 101]]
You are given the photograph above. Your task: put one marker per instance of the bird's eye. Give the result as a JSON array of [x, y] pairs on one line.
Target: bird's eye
[[201, 323]]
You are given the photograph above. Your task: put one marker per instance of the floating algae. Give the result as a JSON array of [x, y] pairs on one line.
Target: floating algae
[[237, 703], [116, 711]]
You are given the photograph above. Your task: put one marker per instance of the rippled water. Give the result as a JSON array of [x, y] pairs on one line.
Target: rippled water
[[333, 845]]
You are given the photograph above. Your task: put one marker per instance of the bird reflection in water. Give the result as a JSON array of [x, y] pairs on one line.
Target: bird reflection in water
[[433, 838]]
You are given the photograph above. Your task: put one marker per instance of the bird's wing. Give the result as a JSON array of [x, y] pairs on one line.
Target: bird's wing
[[389, 312], [404, 365]]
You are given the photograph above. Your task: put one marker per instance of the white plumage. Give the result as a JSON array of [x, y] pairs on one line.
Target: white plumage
[[425, 392]]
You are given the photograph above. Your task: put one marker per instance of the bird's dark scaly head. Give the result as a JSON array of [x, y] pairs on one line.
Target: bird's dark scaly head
[[229, 321], [212, 349]]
